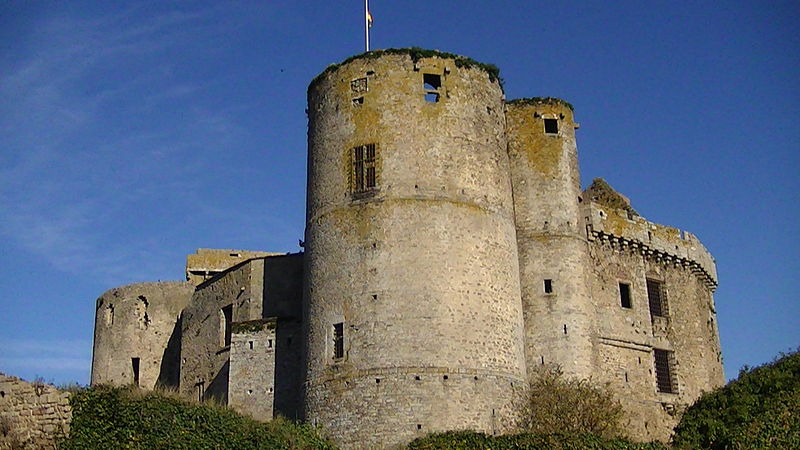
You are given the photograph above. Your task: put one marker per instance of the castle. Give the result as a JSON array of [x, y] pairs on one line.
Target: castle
[[449, 253]]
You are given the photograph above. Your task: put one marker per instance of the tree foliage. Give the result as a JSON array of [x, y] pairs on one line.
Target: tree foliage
[[557, 404], [757, 410]]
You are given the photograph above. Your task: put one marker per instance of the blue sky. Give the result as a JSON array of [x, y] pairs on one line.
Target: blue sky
[[132, 133]]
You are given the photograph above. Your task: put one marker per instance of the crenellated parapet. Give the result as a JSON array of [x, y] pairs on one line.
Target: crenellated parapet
[[658, 242]]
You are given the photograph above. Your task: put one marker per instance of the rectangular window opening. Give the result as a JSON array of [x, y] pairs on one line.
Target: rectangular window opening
[[551, 126], [135, 367], [431, 83], [364, 175], [338, 340], [665, 371], [656, 298], [625, 295], [548, 286], [358, 101]]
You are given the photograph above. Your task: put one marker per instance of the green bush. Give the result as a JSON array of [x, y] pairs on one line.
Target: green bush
[[105, 417], [757, 410], [472, 440]]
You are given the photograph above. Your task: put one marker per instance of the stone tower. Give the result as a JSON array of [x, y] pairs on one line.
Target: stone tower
[[134, 334], [413, 315], [551, 237]]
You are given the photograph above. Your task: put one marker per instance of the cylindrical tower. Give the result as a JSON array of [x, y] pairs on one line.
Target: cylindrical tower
[[551, 236], [136, 339], [412, 303]]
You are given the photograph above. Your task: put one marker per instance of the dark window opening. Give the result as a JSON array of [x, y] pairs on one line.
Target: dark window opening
[[657, 299], [135, 366], [548, 286], [551, 126], [358, 101], [565, 328], [226, 316], [665, 371], [419, 426], [445, 377], [338, 340], [251, 345], [364, 164], [625, 295], [431, 83]]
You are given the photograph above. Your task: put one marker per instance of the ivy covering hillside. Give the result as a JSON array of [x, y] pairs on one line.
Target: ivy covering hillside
[[760, 409], [122, 418]]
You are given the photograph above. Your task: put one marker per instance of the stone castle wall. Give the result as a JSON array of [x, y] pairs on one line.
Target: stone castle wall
[[32, 415], [132, 332], [421, 270], [627, 336], [206, 327], [449, 252]]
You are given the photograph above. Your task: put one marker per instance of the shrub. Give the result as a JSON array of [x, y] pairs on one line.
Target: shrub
[[757, 410], [473, 440], [560, 405], [106, 417]]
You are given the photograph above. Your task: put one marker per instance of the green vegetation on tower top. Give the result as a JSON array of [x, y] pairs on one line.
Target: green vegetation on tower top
[[416, 54], [541, 100]]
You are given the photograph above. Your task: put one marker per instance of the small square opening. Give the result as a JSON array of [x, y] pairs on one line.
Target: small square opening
[[551, 126]]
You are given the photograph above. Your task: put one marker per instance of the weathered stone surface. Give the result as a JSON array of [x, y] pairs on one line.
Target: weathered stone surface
[[32, 415], [449, 251]]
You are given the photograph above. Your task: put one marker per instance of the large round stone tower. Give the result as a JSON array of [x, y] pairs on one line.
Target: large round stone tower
[[413, 312], [551, 235]]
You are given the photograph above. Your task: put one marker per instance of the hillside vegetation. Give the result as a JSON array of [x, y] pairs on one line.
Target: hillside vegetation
[[757, 410], [125, 418]]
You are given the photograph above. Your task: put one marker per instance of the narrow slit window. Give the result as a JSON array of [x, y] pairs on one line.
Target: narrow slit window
[[548, 286], [656, 298], [338, 340], [625, 295], [225, 318], [364, 175], [135, 367], [551, 126], [665, 371]]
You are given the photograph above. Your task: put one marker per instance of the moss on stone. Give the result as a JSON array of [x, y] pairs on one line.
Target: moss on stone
[[416, 53], [540, 101], [601, 192], [253, 326]]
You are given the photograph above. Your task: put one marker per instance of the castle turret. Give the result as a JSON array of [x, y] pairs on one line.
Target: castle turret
[[413, 313], [551, 237], [136, 334]]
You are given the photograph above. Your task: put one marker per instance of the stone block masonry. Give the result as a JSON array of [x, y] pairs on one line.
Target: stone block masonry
[[32, 415]]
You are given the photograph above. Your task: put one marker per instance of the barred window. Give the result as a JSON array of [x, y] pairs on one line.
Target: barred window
[[364, 178], [359, 85], [657, 298], [338, 340], [665, 371]]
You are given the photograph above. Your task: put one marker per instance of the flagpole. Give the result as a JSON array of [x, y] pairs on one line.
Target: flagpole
[[366, 22]]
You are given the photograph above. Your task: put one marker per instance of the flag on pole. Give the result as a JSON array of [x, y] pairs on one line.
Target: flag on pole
[[369, 19]]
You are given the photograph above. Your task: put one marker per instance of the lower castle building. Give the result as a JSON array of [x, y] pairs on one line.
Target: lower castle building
[[449, 253]]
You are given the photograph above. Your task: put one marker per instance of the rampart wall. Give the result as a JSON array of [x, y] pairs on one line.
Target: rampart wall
[[32, 415]]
